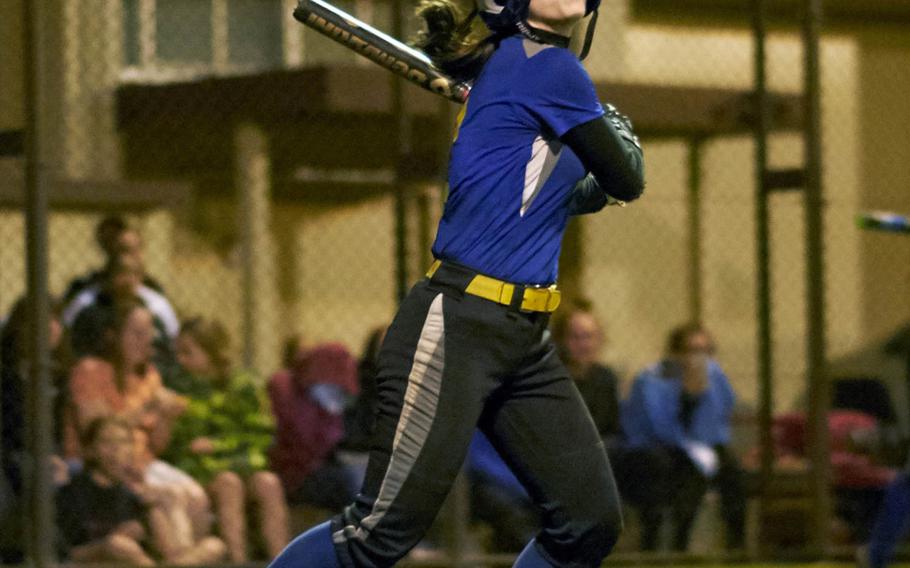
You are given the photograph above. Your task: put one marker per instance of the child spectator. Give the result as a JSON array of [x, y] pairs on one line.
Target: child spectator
[[223, 437], [308, 401], [102, 515], [99, 518]]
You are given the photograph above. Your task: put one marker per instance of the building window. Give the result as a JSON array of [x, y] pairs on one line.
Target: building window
[[203, 35], [184, 39], [254, 32], [183, 31]]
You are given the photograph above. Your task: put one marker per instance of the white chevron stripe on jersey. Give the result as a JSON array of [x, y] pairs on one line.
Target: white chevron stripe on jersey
[[544, 155]]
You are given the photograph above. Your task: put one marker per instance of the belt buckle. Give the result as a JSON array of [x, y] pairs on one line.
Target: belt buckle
[[547, 304], [554, 298]]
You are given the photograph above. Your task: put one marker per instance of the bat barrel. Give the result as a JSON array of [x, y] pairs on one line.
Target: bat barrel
[[379, 47]]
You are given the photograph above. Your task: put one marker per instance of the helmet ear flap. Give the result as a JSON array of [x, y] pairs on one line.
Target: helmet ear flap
[[591, 5]]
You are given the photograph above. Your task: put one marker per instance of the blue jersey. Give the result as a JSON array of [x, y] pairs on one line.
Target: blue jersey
[[509, 176]]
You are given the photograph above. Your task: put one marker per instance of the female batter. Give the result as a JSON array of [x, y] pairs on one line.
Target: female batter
[[469, 346]]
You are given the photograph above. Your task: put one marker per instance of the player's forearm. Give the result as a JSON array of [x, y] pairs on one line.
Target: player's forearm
[[610, 151]]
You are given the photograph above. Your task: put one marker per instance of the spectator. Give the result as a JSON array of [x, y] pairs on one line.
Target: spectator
[[858, 477], [125, 383], [88, 315], [99, 518], [890, 524], [294, 345], [222, 439], [498, 498], [14, 365], [102, 515], [115, 238], [308, 401], [580, 338], [891, 521], [360, 415], [676, 422]]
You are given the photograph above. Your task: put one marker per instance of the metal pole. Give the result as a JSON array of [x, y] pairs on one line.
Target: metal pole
[[696, 145], [818, 386], [40, 526], [763, 249], [404, 144], [245, 154], [252, 176]]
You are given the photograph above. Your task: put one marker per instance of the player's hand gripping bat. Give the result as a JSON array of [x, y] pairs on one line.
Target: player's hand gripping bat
[[379, 48]]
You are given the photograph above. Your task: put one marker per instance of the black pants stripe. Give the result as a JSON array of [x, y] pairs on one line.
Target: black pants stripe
[[452, 362]]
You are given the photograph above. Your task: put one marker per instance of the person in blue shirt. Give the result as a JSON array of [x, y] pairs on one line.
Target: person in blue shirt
[[676, 426], [498, 498], [469, 347], [892, 521]]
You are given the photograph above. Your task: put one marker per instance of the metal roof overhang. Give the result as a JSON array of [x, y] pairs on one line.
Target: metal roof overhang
[[340, 118], [103, 195]]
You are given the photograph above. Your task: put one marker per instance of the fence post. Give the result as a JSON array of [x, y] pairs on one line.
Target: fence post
[[253, 179], [40, 525], [696, 145], [819, 388], [763, 252]]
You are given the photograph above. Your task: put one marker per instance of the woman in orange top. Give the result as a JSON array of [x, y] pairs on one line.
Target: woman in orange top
[[124, 383]]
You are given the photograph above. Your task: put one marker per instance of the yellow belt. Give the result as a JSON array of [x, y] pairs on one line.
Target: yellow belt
[[533, 300]]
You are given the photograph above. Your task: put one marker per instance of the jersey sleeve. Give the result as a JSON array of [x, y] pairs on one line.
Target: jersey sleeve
[[558, 91]]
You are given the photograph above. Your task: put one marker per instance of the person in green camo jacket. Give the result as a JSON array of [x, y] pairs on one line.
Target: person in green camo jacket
[[222, 439]]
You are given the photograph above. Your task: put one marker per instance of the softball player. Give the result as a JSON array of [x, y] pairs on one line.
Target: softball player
[[469, 346]]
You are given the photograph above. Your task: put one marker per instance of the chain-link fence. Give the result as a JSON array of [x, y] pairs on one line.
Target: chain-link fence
[[259, 163]]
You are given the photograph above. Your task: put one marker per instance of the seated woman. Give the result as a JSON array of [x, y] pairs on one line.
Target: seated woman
[[222, 439], [309, 400], [676, 425], [125, 384]]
